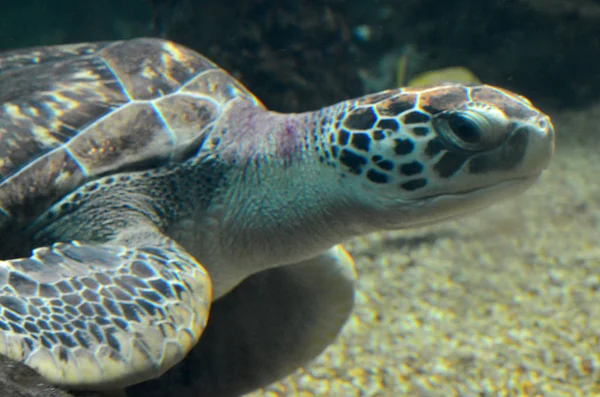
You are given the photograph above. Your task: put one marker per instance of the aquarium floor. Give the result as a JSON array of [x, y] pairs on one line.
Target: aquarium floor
[[502, 303]]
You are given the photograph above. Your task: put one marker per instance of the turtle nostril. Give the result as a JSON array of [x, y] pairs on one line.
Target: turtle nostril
[[543, 123]]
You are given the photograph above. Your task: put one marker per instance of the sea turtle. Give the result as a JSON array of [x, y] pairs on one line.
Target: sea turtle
[[142, 188]]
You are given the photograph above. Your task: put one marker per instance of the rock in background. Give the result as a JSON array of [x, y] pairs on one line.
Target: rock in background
[[298, 55]]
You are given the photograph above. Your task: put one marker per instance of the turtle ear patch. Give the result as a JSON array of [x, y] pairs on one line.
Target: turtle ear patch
[[415, 117]]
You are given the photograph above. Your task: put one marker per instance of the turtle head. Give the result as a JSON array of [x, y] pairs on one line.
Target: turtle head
[[412, 157]]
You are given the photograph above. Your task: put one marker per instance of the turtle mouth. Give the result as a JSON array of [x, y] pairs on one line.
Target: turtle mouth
[[508, 184], [436, 208]]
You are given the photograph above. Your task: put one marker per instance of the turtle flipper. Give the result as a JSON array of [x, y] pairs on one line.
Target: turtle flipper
[[102, 316], [271, 324]]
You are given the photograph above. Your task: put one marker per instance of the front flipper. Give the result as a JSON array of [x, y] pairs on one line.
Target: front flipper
[[271, 324], [102, 316]]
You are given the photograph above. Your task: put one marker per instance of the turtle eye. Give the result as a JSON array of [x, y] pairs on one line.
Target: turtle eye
[[464, 129], [469, 130]]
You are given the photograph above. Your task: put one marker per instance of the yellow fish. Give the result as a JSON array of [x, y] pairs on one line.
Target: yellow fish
[[453, 74]]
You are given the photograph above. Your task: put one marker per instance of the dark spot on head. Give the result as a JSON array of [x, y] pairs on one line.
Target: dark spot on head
[[377, 97], [434, 147], [361, 141], [403, 146], [430, 109], [361, 119], [414, 184], [412, 168], [399, 105], [377, 177], [388, 124], [353, 161], [449, 164], [415, 117], [378, 135], [445, 98], [384, 164], [420, 131]]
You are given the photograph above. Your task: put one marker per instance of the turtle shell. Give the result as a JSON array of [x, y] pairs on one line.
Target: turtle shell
[[73, 113]]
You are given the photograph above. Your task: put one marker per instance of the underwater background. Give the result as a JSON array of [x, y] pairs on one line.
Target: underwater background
[[505, 302]]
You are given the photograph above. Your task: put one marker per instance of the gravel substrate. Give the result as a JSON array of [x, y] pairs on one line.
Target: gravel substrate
[[502, 303]]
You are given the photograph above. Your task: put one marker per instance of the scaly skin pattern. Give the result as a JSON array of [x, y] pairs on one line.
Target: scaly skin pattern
[[396, 159]]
